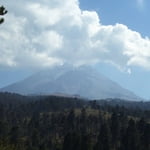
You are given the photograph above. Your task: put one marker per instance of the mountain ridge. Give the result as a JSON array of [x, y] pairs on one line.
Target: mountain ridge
[[84, 81]]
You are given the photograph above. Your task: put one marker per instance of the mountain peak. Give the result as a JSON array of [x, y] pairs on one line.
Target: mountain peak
[[84, 81]]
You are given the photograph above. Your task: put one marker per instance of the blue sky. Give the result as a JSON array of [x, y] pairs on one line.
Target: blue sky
[[111, 35]]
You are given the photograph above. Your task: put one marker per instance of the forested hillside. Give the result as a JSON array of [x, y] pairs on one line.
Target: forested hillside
[[60, 123]]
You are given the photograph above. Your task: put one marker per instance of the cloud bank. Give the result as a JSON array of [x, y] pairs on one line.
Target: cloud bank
[[52, 32]]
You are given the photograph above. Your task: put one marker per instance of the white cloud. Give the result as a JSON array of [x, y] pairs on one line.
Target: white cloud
[[45, 33]]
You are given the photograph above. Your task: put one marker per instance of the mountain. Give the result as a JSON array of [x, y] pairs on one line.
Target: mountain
[[83, 81]]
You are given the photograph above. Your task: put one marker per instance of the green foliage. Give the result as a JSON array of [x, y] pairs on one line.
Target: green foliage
[[59, 123], [3, 11]]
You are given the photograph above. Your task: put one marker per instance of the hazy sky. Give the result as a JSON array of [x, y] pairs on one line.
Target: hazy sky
[[113, 36]]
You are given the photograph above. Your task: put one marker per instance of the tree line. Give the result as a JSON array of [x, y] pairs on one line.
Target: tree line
[[60, 123]]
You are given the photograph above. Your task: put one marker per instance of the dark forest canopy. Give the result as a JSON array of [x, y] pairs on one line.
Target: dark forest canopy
[[65, 123], [3, 11]]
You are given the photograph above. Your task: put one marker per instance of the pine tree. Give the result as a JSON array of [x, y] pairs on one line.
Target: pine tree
[[72, 141], [71, 120], [104, 138], [3, 11], [115, 130], [130, 140], [146, 137]]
